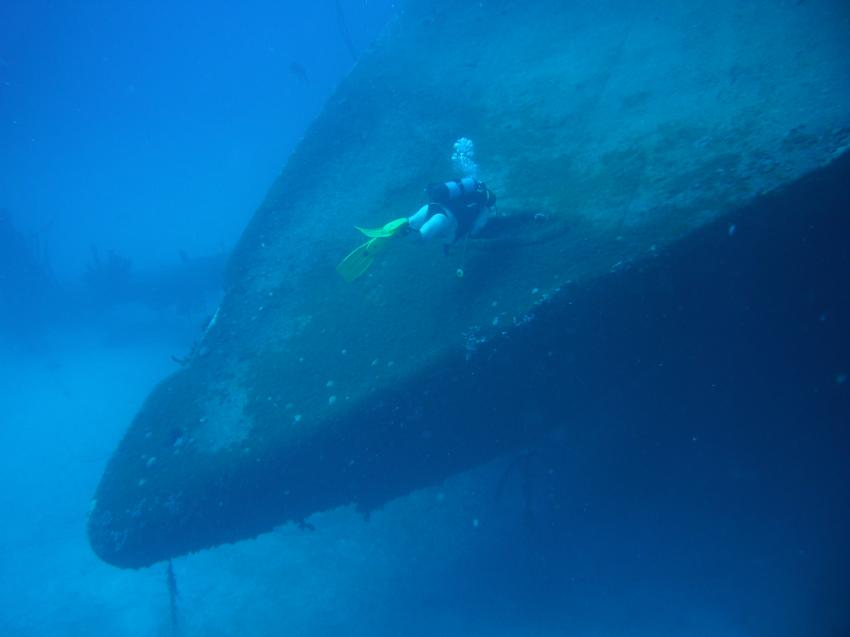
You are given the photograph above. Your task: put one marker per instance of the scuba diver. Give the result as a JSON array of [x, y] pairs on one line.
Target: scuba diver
[[455, 210]]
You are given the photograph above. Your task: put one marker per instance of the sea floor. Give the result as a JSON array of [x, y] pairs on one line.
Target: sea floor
[[486, 553]]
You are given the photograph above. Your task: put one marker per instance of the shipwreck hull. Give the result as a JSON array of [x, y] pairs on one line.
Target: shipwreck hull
[[666, 184]]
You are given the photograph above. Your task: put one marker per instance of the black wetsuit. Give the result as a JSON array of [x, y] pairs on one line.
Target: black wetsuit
[[463, 198]]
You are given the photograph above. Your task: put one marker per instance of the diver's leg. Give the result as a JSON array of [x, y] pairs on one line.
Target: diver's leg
[[439, 226], [419, 218]]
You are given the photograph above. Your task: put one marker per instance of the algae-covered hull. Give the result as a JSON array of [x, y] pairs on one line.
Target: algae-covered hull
[[642, 155]]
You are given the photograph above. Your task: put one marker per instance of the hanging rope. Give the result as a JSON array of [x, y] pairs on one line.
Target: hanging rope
[[343, 27], [171, 582], [459, 271]]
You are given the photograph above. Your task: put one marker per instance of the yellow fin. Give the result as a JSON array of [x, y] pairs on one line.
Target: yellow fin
[[359, 259], [386, 231]]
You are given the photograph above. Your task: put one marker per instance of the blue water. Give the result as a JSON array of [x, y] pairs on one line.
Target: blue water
[[135, 143]]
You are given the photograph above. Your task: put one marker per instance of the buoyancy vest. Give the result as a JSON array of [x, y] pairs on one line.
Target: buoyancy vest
[[463, 198]]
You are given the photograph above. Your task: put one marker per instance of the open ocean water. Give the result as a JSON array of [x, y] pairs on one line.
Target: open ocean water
[[136, 140]]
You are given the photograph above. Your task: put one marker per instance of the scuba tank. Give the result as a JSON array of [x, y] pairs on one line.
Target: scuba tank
[[470, 190], [451, 190]]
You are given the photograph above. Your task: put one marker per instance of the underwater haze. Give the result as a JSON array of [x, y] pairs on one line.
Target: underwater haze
[[617, 404], [100, 97]]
